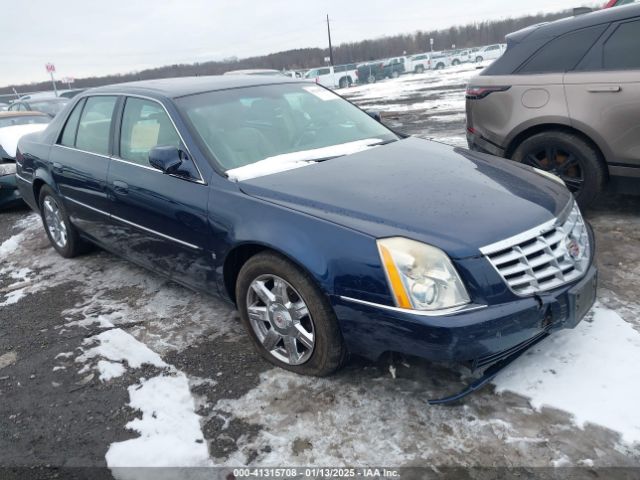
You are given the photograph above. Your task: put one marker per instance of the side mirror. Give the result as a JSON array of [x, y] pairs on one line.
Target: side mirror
[[167, 159], [375, 115]]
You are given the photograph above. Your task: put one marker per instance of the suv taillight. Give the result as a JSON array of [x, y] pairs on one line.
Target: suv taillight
[[476, 93]]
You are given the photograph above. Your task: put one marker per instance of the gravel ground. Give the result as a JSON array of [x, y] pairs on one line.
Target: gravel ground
[[66, 400]]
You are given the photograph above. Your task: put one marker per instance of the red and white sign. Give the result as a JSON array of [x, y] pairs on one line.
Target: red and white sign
[[51, 68]]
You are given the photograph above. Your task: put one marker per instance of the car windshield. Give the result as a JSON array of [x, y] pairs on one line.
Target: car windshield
[[23, 120], [260, 130], [51, 107]]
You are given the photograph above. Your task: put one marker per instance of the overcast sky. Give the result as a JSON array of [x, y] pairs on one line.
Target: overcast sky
[[96, 37]]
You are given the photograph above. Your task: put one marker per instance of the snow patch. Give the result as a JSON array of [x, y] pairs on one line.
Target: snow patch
[[109, 370], [289, 161], [590, 372], [118, 346], [169, 429]]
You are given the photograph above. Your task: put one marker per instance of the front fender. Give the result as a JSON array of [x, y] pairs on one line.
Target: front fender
[[342, 261]]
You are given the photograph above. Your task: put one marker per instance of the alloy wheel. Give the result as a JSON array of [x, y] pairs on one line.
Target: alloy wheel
[[281, 319], [54, 222], [561, 162]]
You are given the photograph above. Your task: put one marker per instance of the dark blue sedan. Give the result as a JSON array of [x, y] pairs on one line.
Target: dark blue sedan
[[330, 233]]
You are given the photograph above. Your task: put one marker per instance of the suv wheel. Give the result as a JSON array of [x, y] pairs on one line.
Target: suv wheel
[[455, 62], [289, 319], [343, 83], [479, 59], [419, 69], [569, 157], [371, 79], [439, 66], [395, 74]]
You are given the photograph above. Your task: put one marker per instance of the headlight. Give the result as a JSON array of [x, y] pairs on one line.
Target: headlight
[[550, 176], [420, 276]]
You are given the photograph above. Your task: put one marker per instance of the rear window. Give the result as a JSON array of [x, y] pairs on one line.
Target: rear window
[[563, 53], [622, 47]]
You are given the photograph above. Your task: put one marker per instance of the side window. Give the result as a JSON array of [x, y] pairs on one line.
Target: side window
[[620, 51], [95, 125], [68, 137], [145, 124], [562, 54], [324, 71]]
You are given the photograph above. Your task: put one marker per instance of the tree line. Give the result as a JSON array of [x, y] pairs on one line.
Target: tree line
[[471, 35]]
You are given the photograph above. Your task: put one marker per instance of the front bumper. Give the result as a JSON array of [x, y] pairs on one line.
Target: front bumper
[[479, 336]]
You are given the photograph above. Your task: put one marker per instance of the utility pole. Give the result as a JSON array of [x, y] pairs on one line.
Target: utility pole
[[330, 47]]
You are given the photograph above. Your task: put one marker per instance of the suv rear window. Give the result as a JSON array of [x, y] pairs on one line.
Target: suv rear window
[[563, 53], [621, 49]]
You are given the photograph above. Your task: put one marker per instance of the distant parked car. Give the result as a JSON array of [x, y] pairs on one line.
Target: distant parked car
[[255, 71], [418, 63], [370, 72], [50, 106], [490, 52], [393, 67], [339, 76], [459, 56], [3, 107], [440, 60], [15, 124], [564, 99], [71, 93]]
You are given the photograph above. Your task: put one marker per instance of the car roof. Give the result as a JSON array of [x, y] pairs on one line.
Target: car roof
[[22, 114], [183, 86], [564, 25]]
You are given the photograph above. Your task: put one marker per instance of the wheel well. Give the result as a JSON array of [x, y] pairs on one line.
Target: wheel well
[[37, 186], [234, 262], [552, 127]]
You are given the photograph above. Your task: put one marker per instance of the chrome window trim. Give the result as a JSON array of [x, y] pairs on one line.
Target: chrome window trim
[[144, 97], [133, 224], [424, 313], [82, 151]]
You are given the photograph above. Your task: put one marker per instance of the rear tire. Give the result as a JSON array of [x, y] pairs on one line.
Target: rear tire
[[419, 69], [343, 83], [62, 234], [439, 66], [479, 59], [455, 62], [323, 352], [570, 157]]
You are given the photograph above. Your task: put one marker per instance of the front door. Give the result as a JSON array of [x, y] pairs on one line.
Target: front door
[[161, 219]]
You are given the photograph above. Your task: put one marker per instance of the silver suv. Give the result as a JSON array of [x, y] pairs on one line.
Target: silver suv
[[565, 98]]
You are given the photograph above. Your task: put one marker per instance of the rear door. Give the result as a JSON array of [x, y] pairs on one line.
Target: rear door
[[603, 96], [161, 219], [80, 162]]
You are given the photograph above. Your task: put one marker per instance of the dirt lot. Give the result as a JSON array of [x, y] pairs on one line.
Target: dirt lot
[[102, 363]]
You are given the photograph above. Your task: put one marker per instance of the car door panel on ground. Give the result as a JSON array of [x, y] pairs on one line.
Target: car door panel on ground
[[80, 162], [150, 209], [606, 86]]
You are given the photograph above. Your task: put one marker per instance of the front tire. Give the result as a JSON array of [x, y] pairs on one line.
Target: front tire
[[568, 156], [61, 233], [395, 74], [289, 320], [479, 59], [371, 79]]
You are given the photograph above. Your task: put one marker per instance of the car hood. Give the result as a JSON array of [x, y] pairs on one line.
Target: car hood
[[9, 136], [448, 197]]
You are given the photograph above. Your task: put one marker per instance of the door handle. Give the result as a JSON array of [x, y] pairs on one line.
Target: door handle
[[120, 187], [604, 89]]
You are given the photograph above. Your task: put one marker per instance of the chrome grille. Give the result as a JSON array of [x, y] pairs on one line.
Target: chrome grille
[[544, 257]]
